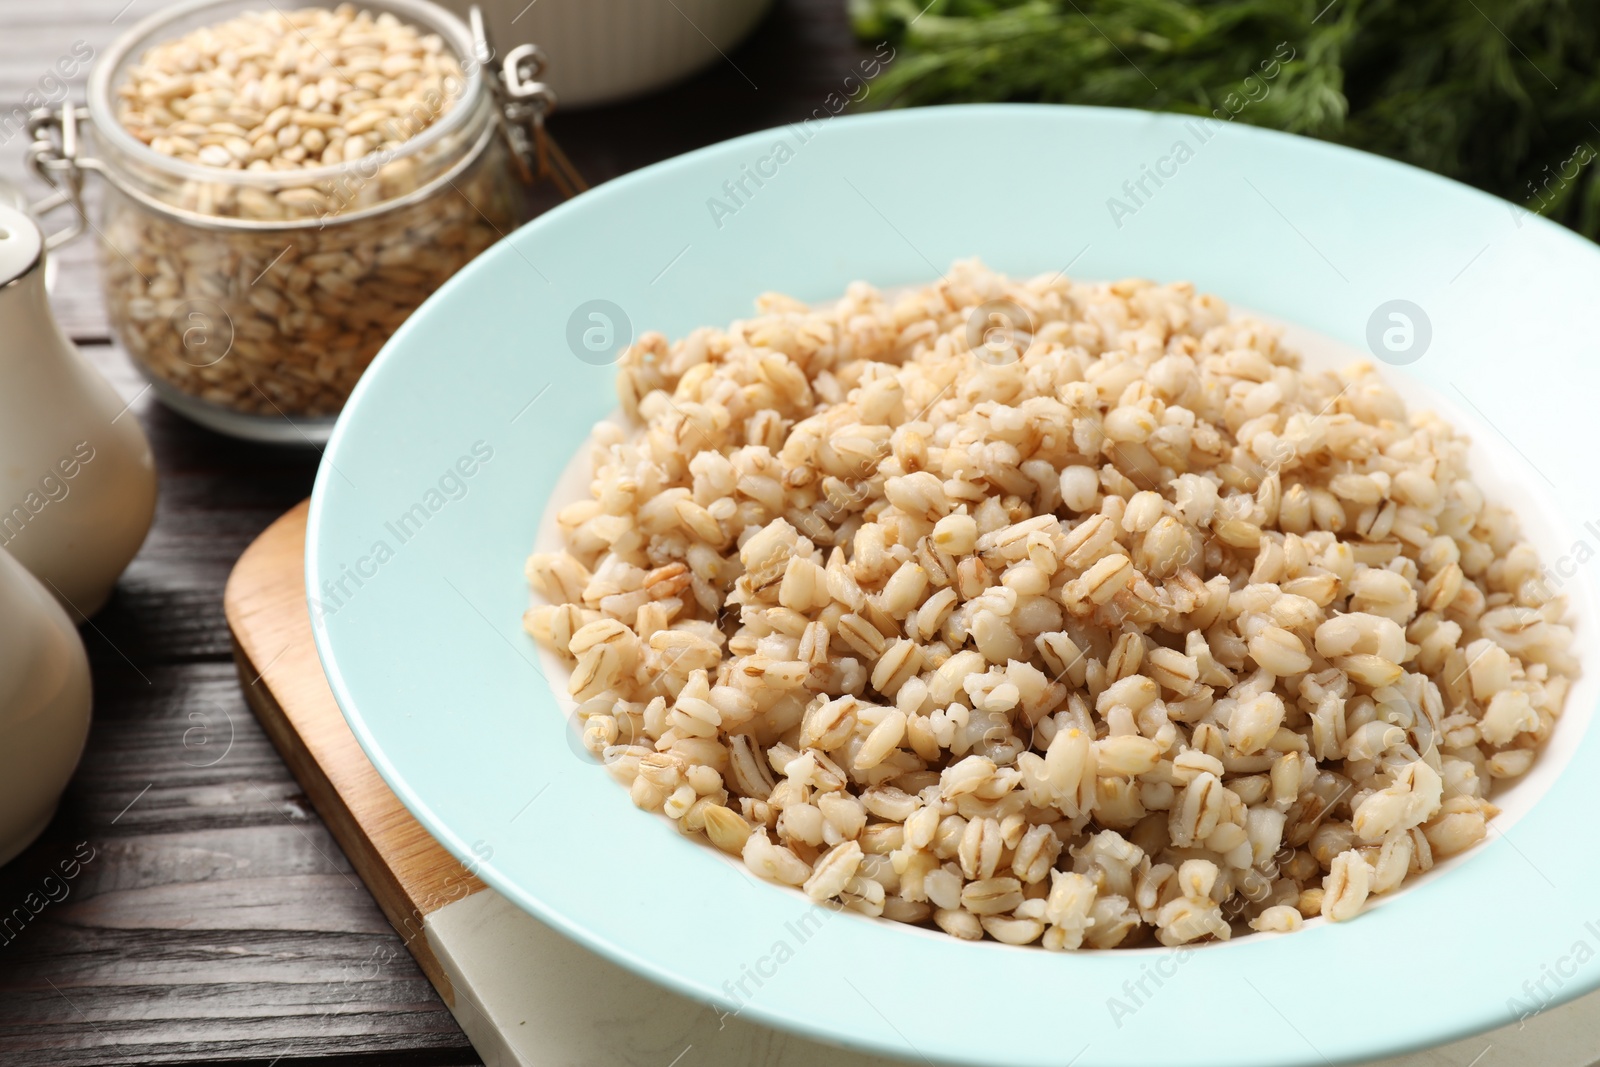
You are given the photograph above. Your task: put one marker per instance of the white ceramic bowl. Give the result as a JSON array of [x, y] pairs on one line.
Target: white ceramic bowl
[[422, 640], [602, 51]]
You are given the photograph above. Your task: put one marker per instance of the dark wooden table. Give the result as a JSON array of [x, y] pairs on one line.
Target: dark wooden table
[[214, 919]]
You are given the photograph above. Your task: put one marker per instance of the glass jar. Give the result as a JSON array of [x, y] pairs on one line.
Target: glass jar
[[253, 300]]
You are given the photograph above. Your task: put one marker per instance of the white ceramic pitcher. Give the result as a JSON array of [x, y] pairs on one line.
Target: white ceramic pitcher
[[44, 705], [77, 480]]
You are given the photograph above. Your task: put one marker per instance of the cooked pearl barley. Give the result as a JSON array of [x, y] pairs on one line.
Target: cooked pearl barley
[[1278, 919], [1070, 663], [1346, 886]]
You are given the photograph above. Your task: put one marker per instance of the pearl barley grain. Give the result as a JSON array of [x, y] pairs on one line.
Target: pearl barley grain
[[1071, 665], [312, 56]]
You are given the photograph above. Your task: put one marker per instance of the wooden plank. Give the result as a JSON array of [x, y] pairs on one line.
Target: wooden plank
[[212, 915], [409, 873]]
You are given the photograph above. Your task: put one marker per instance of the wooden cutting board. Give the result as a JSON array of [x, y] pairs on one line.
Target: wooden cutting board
[[525, 995]]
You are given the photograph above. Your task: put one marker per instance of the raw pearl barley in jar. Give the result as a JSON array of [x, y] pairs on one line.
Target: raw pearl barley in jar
[[285, 188]]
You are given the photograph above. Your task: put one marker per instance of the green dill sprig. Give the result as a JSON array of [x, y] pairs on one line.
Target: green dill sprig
[[1502, 94]]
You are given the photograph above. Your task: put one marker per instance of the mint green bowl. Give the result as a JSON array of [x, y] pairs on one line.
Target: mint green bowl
[[441, 466]]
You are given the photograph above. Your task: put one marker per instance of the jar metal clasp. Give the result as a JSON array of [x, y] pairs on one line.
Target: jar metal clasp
[[524, 102], [55, 157]]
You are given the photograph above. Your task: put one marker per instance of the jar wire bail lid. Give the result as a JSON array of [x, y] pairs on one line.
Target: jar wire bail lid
[[53, 156], [523, 102]]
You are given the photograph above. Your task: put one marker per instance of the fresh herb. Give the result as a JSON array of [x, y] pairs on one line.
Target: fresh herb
[[1502, 94]]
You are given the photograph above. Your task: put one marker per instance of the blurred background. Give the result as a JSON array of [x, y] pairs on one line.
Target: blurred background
[[1500, 94]]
